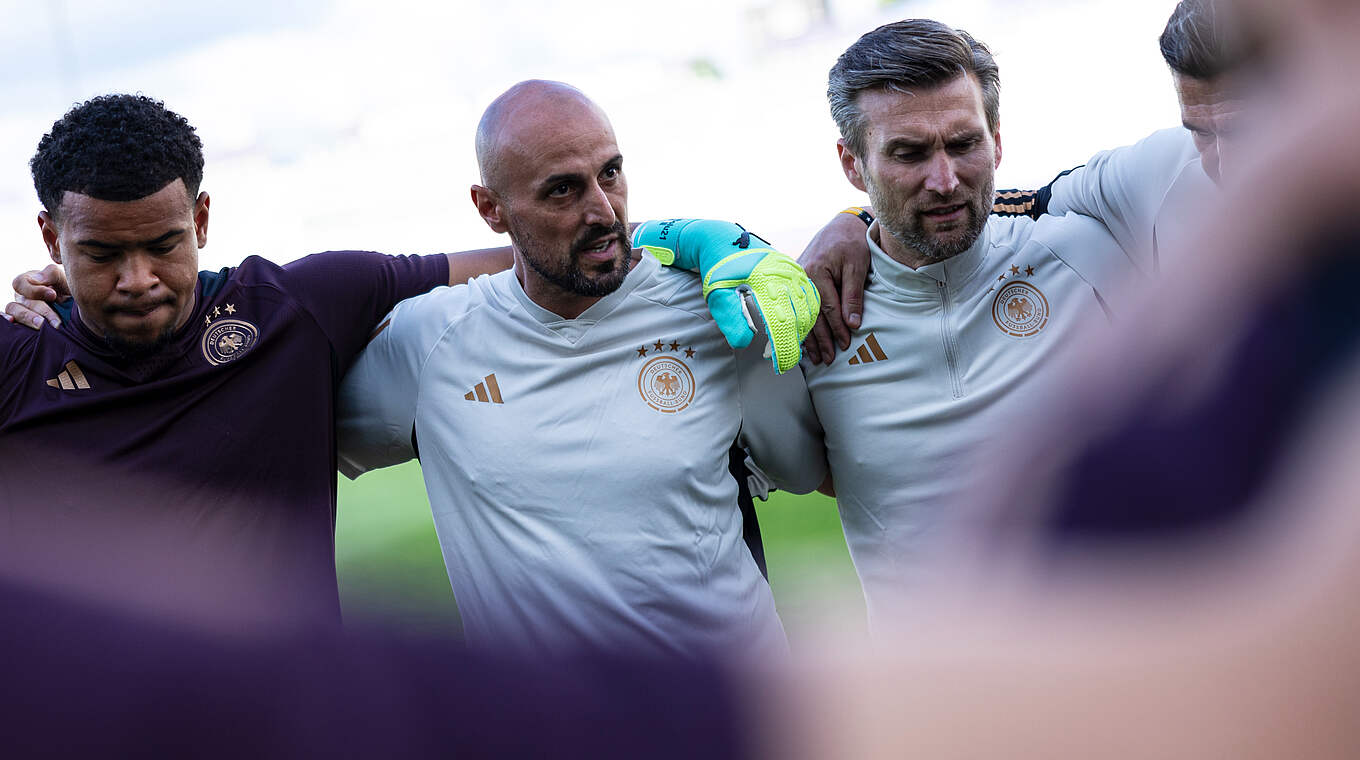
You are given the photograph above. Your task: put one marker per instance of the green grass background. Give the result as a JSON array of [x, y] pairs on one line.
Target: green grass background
[[390, 567]]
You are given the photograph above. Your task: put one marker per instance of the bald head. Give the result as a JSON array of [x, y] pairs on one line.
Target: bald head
[[552, 177], [512, 124]]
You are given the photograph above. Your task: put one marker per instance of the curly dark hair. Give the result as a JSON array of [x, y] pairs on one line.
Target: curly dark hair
[[116, 148]]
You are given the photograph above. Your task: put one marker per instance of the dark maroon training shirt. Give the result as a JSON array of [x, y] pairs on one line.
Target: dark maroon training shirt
[[205, 474]]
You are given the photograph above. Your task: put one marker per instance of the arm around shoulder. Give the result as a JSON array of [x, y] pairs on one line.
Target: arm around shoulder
[[779, 425], [376, 413]]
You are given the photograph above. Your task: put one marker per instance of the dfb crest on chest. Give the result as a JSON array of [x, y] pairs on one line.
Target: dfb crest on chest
[[226, 340], [664, 380]]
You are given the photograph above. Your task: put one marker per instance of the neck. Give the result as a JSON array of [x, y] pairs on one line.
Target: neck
[[559, 301], [564, 303]]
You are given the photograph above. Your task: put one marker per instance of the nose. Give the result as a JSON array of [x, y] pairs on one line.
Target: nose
[[598, 209], [941, 177], [137, 275]]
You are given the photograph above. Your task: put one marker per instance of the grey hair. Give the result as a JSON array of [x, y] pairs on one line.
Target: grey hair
[[908, 54], [1202, 41]]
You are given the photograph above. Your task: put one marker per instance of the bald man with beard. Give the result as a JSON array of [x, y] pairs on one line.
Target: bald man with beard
[[573, 415]]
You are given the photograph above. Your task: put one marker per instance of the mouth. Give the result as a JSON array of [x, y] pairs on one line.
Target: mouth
[[602, 251], [138, 311], [946, 213]]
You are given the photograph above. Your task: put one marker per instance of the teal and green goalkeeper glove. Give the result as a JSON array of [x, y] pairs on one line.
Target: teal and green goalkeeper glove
[[732, 260]]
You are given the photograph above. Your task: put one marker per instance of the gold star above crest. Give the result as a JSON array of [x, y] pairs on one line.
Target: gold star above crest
[[659, 346], [231, 308], [217, 312], [1015, 270], [1029, 271], [689, 353], [642, 351], [207, 320], [675, 345], [1002, 277]]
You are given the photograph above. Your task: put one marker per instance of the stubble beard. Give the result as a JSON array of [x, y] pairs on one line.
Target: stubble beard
[[137, 350], [910, 232], [568, 275]]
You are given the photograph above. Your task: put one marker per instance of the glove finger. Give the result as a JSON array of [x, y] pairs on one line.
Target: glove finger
[[785, 350], [781, 324], [805, 305], [725, 305]]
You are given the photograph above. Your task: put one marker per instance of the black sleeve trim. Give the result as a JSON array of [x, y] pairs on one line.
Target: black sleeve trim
[[1030, 203]]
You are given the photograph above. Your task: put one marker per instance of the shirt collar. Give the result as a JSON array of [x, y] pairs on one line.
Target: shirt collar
[[953, 272]]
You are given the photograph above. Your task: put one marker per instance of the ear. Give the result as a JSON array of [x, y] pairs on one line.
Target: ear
[[51, 237], [850, 165], [996, 138], [201, 219], [488, 204]]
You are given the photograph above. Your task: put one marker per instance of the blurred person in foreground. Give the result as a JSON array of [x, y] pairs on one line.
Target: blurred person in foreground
[[1149, 195], [1245, 650], [573, 415]]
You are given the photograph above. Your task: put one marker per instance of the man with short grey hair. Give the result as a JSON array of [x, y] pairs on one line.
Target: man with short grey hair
[[965, 309], [917, 53], [1147, 193]]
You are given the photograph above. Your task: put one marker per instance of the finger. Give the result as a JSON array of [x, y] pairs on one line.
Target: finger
[[782, 326], [783, 345], [802, 298], [810, 350], [33, 285], [853, 275], [822, 349], [55, 276], [725, 305], [826, 290], [25, 316], [831, 311], [42, 310], [835, 321]]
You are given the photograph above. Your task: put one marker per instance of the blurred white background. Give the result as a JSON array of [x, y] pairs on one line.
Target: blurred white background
[[332, 124]]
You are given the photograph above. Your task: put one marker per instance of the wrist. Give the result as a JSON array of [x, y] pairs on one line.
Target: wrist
[[859, 211]]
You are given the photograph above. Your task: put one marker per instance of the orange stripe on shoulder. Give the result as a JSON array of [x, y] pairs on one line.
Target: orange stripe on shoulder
[[381, 327]]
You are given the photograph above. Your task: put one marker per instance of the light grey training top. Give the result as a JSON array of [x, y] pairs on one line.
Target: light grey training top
[[941, 352], [578, 468], [1150, 195]]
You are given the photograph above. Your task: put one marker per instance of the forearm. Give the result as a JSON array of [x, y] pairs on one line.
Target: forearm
[[466, 265]]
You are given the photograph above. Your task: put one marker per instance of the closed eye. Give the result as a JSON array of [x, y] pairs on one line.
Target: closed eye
[[963, 146]]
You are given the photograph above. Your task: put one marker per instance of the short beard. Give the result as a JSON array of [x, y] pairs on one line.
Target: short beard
[[569, 276], [129, 350], [911, 233]]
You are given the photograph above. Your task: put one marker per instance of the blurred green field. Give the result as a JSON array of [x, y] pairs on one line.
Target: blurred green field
[[390, 567]]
